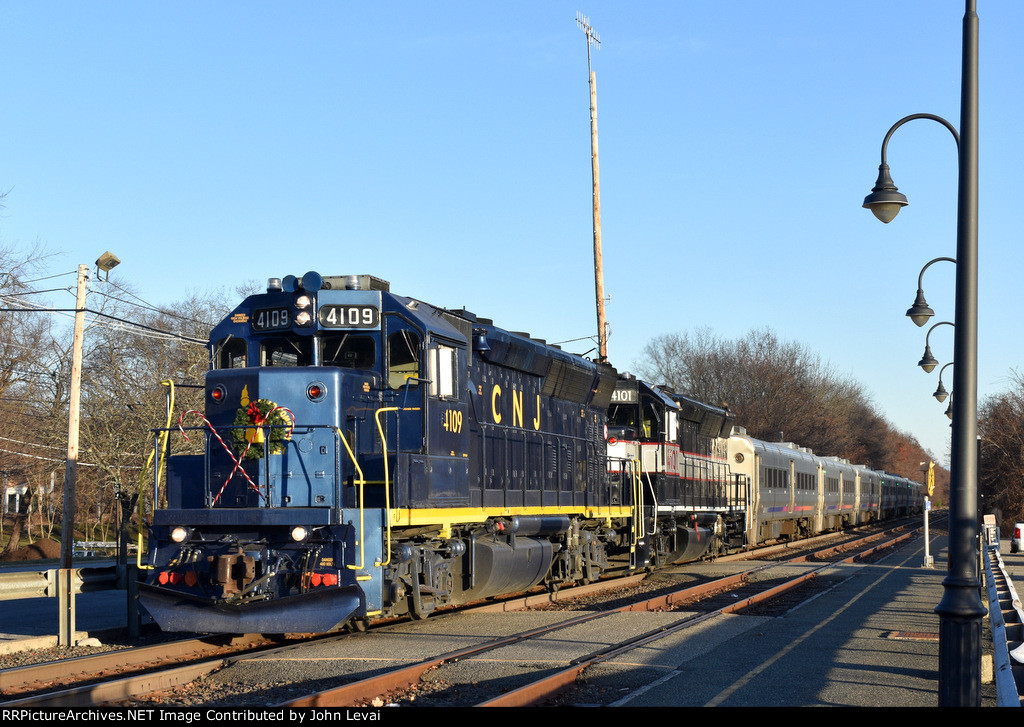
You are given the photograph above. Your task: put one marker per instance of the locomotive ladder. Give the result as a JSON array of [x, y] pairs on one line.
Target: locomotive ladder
[[637, 525]]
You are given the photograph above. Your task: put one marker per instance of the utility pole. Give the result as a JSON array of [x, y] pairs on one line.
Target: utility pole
[[602, 330], [65, 593]]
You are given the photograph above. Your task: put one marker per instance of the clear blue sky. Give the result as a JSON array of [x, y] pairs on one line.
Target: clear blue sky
[[445, 147]]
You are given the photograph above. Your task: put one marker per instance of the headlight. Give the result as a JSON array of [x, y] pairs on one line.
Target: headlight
[[302, 302], [302, 318], [179, 534], [299, 533]]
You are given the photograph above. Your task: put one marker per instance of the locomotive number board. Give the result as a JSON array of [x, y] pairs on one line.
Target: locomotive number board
[[271, 319], [624, 396], [349, 316]]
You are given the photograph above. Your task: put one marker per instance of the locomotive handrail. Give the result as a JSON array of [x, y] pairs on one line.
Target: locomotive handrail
[[156, 472], [636, 525], [387, 484], [647, 472], [361, 481]]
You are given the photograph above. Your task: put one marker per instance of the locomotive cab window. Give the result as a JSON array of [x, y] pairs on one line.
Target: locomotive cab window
[[230, 353], [651, 422], [347, 351], [403, 358], [442, 371], [286, 351], [672, 434]]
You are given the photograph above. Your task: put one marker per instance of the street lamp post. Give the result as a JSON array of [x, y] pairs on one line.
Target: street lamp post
[[960, 610]]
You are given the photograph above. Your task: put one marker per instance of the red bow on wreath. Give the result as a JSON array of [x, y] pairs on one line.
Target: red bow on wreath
[[255, 415]]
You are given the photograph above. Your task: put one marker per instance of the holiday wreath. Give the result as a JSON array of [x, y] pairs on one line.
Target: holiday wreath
[[261, 425]]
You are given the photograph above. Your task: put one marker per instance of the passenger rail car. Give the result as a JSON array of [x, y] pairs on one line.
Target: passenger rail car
[[794, 493], [365, 454]]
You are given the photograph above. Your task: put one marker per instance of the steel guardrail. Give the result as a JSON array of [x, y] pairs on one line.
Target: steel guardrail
[[43, 583], [1007, 691]]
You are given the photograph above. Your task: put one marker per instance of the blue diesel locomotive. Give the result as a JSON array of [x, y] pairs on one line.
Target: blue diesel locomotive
[[370, 455]]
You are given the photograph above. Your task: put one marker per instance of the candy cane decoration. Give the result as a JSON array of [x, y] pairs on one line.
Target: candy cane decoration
[[238, 462]]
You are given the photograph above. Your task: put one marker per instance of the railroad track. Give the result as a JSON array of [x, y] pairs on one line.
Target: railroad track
[[722, 596], [127, 676]]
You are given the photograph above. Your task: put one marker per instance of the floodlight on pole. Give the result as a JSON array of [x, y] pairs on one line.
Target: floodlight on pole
[[66, 599], [107, 262]]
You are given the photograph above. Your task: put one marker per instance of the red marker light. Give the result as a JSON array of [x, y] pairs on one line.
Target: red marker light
[[612, 440]]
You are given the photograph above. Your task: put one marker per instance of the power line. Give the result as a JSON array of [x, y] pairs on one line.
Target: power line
[[132, 324], [34, 292], [153, 309]]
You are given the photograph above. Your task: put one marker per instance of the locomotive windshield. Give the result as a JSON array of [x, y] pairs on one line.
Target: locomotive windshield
[[286, 351], [231, 353], [623, 415], [348, 351]]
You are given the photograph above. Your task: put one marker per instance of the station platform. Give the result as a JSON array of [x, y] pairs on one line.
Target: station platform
[[872, 640]]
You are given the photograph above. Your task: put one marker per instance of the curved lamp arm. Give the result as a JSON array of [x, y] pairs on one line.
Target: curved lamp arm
[[928, 362], [920, 312], [885, 199], [940, 391]]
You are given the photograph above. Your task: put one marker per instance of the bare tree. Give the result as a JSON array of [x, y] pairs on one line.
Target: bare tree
[[1001, 464], [23, 332]]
